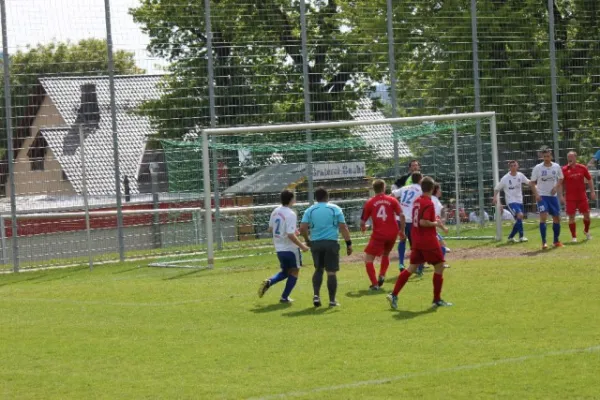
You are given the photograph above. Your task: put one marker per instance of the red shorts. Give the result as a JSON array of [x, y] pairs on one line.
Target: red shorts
[[379, 246], [573, 205], [430, 256]]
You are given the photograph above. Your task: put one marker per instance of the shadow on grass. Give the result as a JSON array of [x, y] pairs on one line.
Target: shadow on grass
[[184, 274], [271, 308], [404, 314], [365, 292], [43, 277], [534, 253], [308, 312], [126, 270]]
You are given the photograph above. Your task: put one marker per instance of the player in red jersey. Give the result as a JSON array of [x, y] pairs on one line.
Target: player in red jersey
[[382, 211], [575, 196], [425, 246]]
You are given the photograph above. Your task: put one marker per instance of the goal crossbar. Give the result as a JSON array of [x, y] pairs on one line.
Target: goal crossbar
[[311, 126]]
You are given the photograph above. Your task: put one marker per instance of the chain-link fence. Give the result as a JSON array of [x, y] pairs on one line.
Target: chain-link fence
[[104, 102]]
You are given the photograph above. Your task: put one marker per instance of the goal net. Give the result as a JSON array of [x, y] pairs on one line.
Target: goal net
[[246, 168]]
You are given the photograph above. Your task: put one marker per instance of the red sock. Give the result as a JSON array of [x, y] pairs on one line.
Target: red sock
[[401, 281], [438, 281], [586, 225], [371, 273], [573, 229], [385, 263]]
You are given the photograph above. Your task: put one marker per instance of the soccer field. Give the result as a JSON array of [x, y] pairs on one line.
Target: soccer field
[[524, 325]]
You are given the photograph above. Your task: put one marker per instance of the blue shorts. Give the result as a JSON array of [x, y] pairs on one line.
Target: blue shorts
[[516, 208], [550, 205], [289, 259]]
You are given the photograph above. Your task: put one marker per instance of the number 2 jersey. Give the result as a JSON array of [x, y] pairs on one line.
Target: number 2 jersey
[[382, 210], [407, 196], [283, 222]]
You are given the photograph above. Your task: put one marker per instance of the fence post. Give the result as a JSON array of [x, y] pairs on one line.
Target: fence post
[[306, 82], [115, 137], [213, 117], [84, 192], [392, 68], [456, 177], [553, 84], [9, 139], [477, 109]]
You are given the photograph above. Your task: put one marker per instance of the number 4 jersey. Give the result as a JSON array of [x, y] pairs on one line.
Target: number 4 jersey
[[382, 210], [283, 222], [407, 196]]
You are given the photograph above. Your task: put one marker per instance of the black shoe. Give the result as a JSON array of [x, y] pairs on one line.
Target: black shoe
[[441, 303], [381, 281], [374, 288], [334, 304], [264, 286], [316, 301]]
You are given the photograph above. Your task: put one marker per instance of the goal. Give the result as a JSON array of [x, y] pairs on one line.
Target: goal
[[250, 166]]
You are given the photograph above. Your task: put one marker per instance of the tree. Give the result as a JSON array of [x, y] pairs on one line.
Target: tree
[[87, 57]]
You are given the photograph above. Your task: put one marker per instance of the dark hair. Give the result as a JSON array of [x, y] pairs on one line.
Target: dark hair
[[413, 161], [286, 197], [436, 187], [321, 195], [378, 186], [416, 177], [511, 162], [427, 184]]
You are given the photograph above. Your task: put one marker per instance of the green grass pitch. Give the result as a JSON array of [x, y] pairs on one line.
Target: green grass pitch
[[525, 324]]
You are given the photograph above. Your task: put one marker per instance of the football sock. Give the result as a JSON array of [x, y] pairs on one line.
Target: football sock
[[556, 230], [573, 229], [317, 280], [401, 251], [520, 225], [586, 225], [385, 263], [543, 231], [289, 286], [514, 231], [278, 277], [332, 286], [438, 281], [401, 281], [371, 273]]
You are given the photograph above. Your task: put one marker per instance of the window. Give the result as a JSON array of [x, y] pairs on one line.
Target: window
[[64, 176], [37, 153]]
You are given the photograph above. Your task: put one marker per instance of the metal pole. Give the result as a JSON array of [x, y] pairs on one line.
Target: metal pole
[[3, 238], [496, 174], [156, 233], [9, 139], [305, 74], [84, 192], [207, 202], [553, 81], [477, 109], [392, 68], [113, 113], [213, 117], [456, 179]]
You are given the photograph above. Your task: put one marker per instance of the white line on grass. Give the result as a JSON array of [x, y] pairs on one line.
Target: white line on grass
[[309, 392]]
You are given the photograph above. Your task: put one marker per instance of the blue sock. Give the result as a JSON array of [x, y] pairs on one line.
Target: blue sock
[[444, 250], [515, 230], [289, 286], [543, 231], [278, 277], [556, 230], [520, 227], [401, 251]]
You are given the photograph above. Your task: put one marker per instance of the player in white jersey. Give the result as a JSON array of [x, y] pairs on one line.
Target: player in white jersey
[[512, 185], [283, 224], [547, 178], [407, 196]]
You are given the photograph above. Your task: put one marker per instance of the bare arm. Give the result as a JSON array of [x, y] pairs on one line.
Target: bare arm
[[495, 198], [304, 231], [532, 185], [592, 188], [346, 235], [428, 224], [297, 242]]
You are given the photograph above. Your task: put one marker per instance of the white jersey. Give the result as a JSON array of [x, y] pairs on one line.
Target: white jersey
[[407, 196], [283, 222], [513, 187], [546, 178], [437, 206]]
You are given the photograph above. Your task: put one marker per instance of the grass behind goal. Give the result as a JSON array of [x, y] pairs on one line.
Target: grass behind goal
[[523, 326]]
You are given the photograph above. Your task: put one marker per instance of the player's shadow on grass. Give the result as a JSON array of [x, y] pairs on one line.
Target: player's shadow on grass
[[126, 270], [362, 293], [308, 312], [184, 275], [270, 308], [405, 314]]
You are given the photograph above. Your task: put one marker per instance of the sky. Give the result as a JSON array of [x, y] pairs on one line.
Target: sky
[[42, 21]]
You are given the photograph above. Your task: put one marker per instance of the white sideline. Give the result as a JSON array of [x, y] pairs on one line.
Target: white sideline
[[470, 367]]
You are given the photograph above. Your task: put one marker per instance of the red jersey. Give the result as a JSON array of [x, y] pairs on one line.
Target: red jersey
[[575, 182], [382, 210], [423, 238]]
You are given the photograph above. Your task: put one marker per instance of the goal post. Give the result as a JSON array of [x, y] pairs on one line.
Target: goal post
[[322, 138]]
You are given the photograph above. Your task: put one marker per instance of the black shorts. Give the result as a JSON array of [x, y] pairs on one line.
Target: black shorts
[[326, 254]]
